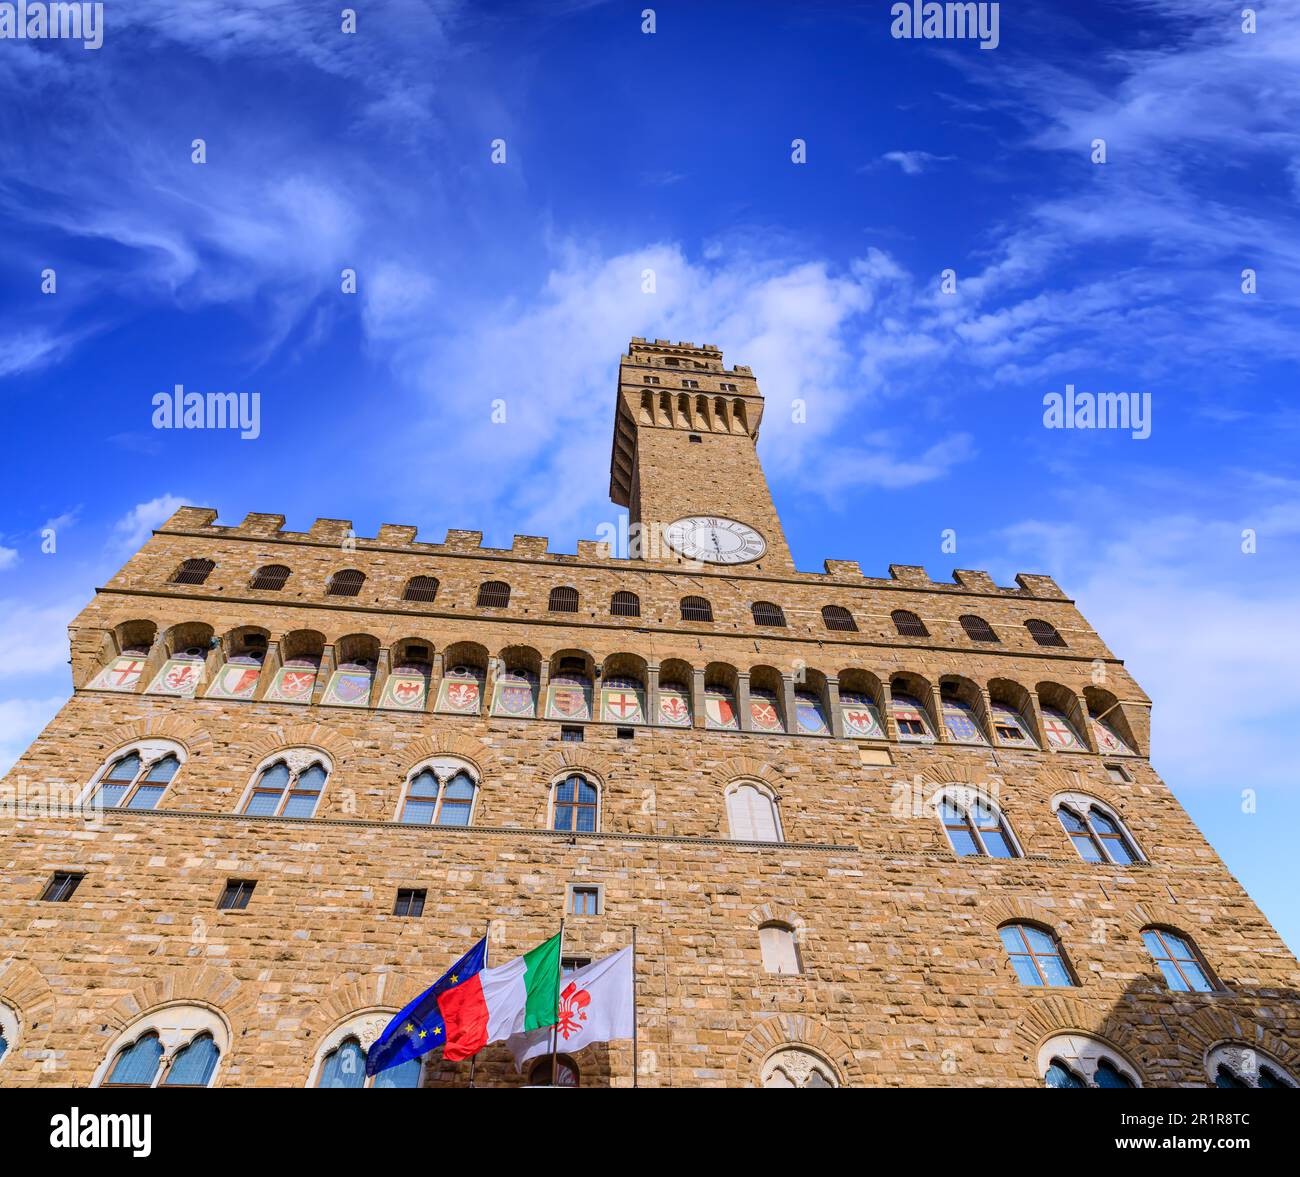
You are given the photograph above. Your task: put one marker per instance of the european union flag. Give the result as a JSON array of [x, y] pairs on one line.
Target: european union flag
[[419, 1029]]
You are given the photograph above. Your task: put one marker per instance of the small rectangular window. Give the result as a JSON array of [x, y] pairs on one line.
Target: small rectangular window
[[911, 727], [1006, 732], [410, 902], [690, 384], [571, 964], [626, 733], [584, 901], [61, 886], [727, 387], [696, 439], [650, 379], [236, 895], [1118, 774], [571, 735]]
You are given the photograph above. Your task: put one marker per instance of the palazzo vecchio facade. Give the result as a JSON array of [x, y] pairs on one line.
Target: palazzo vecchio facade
[[871, 831]]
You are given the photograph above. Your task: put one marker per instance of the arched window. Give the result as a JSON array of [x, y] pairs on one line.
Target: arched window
[[420, 588], [136, 777], [493, 594], [440, 795], [341, 1057], [752, 814], [1179, 961], [137, 1064], [1234, 1064], [177, 1046], [575, 805], [838, 617], [193, 572], [1096, 833], [696, 609], [977, 629], [779, 948], [976, 828], [289, 787], [9, 1025], [192, 1065], [765, 613], [625, 604], [1044, 633], [346, 583], [1036, 955], [563, 600], [270, 577], [1076, 1060], [793, 1067], [908, 624], [560, 1072]]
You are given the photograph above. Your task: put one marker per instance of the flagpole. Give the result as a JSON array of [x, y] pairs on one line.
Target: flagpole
[[636, 1057], [555, 1029], [487, 945]]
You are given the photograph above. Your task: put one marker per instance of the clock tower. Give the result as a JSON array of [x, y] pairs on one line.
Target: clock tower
[[685, 462]]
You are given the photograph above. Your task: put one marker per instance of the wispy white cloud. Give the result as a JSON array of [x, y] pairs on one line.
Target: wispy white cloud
[[135, 526], [913, 163], [8, 557]]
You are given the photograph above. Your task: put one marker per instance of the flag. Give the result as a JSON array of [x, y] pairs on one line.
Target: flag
[[470, 1006], [596, 1005], [420, 1026], [502, 1002]]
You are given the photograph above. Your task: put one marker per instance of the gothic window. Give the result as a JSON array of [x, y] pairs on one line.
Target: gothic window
[[792, 1067], [908, 624], [177, 1046], [493, 594], [563, 600], [696, 609], [346, 583], [137, 778], [1044, 633], [752, 814], [341, 1057], [575, 805], [421, 588], [9, 1024], [838, 618], [288, 787], [625, 604], [193, 572], [977, 629], [1096, 833], [766, 613], [439, 794], [1177, 958], [1036, 955], [1075, 1060], [270, 577], [779, 949], [976, 828], [1234, 1064]]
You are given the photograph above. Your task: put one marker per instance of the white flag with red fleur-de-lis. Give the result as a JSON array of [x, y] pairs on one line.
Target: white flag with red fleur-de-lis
[[595, 1006]]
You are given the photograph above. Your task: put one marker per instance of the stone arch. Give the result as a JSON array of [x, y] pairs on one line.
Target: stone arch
[[25, 989], [746, 767], [1003, 911], [1062, 1014], [355, 995], [216, 989], [194, 739], [1057, 780], [783, 1031], [457, 744], [1149, 913], [1213, 1026], [300, 735], [573, 759]]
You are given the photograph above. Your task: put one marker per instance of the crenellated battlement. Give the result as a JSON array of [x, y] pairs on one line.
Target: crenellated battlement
[[394, 537]]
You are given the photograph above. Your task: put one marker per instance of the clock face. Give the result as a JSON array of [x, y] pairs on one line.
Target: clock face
[[714, 539]]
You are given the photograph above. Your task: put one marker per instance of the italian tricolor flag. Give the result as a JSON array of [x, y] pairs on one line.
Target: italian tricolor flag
[[501, 1002]]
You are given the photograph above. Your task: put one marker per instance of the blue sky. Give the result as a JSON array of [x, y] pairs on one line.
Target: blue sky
[[671, 151]]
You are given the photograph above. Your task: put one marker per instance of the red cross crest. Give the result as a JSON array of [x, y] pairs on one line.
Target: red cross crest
[[1058, 732], [622, 703], [128, 672], [573, 1009]]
